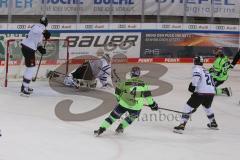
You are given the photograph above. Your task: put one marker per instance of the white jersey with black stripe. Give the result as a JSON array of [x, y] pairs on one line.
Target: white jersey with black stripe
[[202, 80], [35, 36], [101, 69]]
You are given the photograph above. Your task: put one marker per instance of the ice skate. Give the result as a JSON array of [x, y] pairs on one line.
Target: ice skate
[[119, 129], [213, 125], [99, 131], [179, 129], [227, 91], [30, 90], [24, 91]]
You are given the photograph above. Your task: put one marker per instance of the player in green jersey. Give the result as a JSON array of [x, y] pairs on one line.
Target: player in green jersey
[[220, 71], [131, 95]]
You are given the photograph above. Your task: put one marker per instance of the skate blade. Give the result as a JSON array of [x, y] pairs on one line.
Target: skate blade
[[213, 128], [118, 133], [95, 133], [177, 131], [24, 95], [230, 91]]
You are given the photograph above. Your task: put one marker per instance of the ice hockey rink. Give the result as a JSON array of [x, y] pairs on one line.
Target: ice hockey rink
[[32, 131]]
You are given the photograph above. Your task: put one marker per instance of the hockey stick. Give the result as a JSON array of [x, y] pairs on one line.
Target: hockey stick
[[51, 73], [116, 75], [39, 64], [173, 110]]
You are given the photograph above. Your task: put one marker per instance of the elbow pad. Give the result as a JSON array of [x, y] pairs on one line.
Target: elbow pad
[[191, 88], [46, 34], [118, 91]]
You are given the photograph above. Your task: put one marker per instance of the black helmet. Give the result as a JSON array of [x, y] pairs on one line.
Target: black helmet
[[198, 60], [218, 51], [135, 71], [44, 21]]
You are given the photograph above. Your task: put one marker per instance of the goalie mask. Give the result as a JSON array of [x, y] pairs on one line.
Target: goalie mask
[[107, 57], [135, 72], [44, 21], [198, 60]]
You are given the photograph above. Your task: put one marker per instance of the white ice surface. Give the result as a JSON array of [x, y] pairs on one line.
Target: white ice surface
[[31, 131]]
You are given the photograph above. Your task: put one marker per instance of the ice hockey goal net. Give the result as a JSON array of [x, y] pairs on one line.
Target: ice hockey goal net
[[12, 65]]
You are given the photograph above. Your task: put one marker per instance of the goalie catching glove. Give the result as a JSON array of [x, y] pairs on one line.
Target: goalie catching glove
[[46, 34], [41, 50]]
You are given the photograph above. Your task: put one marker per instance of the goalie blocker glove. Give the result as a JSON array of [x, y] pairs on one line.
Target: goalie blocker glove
[[46, 34], [41, 50]]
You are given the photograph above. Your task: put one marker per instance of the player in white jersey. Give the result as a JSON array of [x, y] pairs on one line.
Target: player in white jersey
[[30, 45], [88, 73], [203, 91]]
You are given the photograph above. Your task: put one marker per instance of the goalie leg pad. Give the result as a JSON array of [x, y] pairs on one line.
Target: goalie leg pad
[[88, 83], [69, 81]]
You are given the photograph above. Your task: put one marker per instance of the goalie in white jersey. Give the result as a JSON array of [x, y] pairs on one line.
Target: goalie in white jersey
[[203, 91], [87, 73], [30, 45]]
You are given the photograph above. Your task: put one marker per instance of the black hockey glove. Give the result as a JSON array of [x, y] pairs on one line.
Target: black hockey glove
[[41, 50], [154, 106], [211, 70], [191, 88], [46, 34], [231, 66]]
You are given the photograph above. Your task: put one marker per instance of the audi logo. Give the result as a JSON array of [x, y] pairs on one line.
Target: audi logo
[[55, 27], [166, 26], [122, 26], [21, 26], [220, 27], [192, 26], [88, 26]]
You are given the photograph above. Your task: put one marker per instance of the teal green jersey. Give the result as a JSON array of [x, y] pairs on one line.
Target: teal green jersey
[[221, 67], [133, 94]]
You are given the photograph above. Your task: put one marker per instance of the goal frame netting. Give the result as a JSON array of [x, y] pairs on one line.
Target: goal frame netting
[[18, 65]]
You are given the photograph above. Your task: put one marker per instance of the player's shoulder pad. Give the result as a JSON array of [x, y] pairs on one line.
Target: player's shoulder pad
[[197, 70], [38, 28]]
